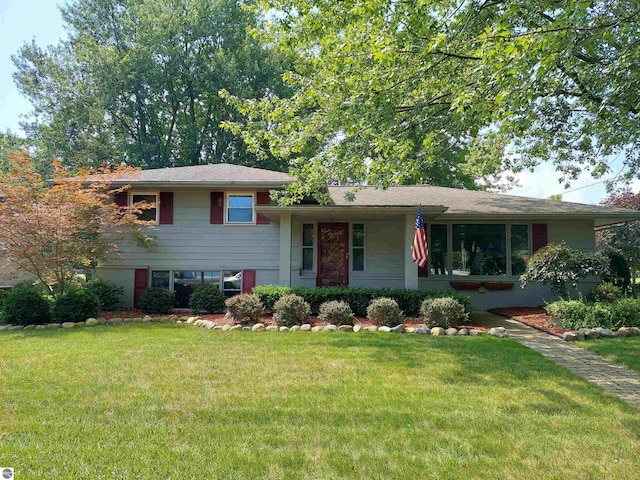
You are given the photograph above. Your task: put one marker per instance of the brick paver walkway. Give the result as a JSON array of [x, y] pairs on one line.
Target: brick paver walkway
[[615, 378]]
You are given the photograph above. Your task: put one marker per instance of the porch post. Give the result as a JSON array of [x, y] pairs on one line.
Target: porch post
[[410, 268], [285, 249]]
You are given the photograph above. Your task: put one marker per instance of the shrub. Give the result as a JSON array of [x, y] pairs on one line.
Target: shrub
[[75, 306], [619, 273], [3, 294], [25, 305], [244, 308], [556, 264], [385, 311], [109, 294], [291, 310], [569, 313], [337, 313], [207, 298], [626, 312], [157, 300], [605, 293], [601, 315], [443, 312], [270, 294]]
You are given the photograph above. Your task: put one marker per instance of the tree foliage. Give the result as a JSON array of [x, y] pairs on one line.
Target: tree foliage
[[450, 92], [624, 239], [137, 81], [50, 230]]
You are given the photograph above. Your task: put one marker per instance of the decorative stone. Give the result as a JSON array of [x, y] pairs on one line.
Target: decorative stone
[[128, 320], [635, 331], [15, 327], [236, 328], [30, 327], [305, 327], [316, 329], [329, 328], [498, 332], [79, 324], [192, 319], [172, 318], [423, 331], [246, 329], [356, 328], [4, 327], [114, 321], [451, 331], [623, 332], [604, 332], [284, 329], [54, 325], [463, 332], [345, 328], [102, 321], [295, 328], [272, 328], [68, 324], [438, 331], [226, 328], [371, 328], [216, 327], [258, 327], [410, 330], [147, 319], [40, 327], [398, 328], [384, 329], [570, 336], [209, 325], [590, 333], [474, 332]]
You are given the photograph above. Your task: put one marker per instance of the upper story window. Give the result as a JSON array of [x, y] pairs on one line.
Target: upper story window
[[239, 208], [151, 213]]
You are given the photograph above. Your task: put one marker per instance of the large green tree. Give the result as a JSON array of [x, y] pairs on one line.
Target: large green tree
[[137, 81], [453, 92]]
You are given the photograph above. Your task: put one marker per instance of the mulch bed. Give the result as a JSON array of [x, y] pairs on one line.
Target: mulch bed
[[266, 318], [535, 317]]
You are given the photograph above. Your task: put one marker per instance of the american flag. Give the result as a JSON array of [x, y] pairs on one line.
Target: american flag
[[420, 253]]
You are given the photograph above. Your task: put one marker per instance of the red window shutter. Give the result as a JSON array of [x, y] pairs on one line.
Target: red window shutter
[[217, 208], [262, 198], [139, 284], [423, 272], [539, 236], [166, 208], [120, 199], [248, 280]]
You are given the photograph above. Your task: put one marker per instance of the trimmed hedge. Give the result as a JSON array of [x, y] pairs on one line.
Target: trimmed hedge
[[575, 314], [358, 298], [25, 305], [109, 294], [157, 300], [75, 306], [207, 298]]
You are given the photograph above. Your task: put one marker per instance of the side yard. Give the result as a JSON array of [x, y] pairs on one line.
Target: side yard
[[173, 401]]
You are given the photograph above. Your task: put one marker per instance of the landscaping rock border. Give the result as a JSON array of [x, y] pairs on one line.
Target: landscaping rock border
[[599, 332]]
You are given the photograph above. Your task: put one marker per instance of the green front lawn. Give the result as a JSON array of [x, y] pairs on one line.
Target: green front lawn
[[621, 350], [172, 401]]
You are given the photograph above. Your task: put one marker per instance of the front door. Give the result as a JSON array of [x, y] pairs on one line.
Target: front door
[[333, 254]]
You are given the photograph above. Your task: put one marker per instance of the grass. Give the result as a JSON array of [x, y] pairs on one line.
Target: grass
[[624, 350], [171, 401]]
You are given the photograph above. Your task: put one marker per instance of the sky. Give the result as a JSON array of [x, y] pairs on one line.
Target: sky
[[24, 20]]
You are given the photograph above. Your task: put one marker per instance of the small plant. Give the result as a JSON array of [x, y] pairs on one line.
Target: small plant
[[25, 305], [443, 312], [109, 294], [207, 298], [157, 300], [337, 313], [244, 308], [571, 314], [75, 306], [385, 311], [291, 310], [606, 293]]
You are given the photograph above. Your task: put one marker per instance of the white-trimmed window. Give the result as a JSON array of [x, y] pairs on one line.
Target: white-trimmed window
[[357, 247], [149, 197], [239, 208], [308, 240]]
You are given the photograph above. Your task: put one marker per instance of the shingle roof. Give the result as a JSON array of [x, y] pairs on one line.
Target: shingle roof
[[211, 174], [462, 202]]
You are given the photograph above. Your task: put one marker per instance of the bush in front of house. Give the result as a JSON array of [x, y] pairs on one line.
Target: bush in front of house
[[575, 314], [270, 294], [291, 310], [572, 314], [601, 315], [244, 308], [207, 298], [443, 312], [606, 293], [336, 313], [385, 311], [109, 294], [75, 306], [3, 294], [627, 312], [156, 300], [25, 305]]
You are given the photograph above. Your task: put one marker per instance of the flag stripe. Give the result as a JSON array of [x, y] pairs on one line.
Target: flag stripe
[[420, 253]]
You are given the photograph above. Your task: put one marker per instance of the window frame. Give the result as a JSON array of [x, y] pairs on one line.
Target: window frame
[[130, 201], [363, 247], [239, 194], [311, 247]]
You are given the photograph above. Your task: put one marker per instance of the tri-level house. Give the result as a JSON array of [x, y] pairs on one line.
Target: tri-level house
[[216, 224]]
